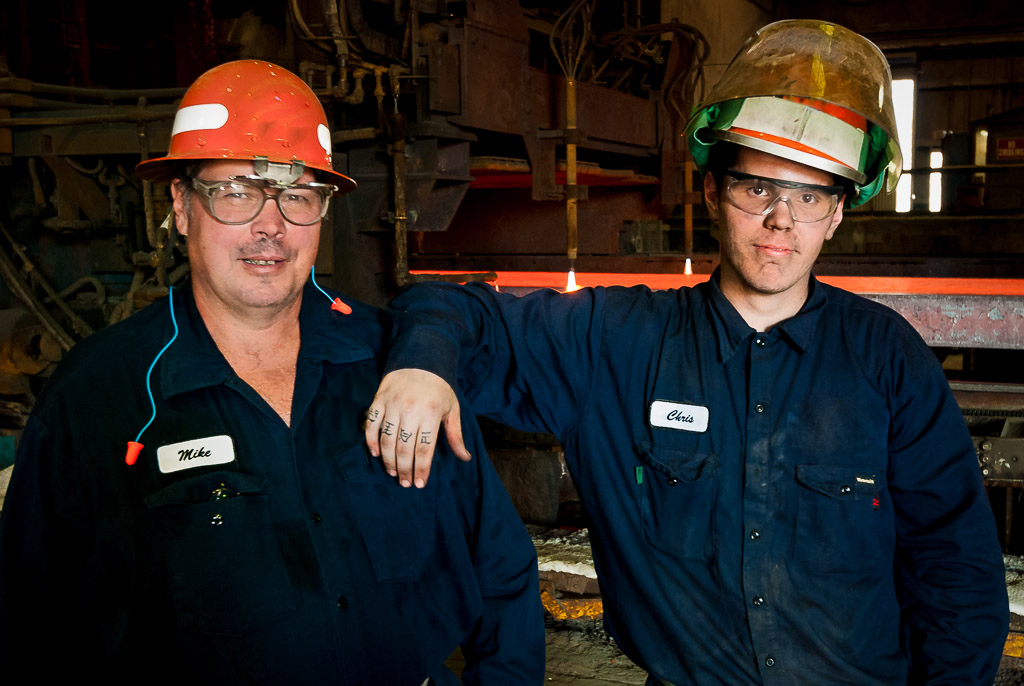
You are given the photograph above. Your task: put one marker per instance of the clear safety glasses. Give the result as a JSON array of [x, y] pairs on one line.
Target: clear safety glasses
[[807, 202], [241, 198]]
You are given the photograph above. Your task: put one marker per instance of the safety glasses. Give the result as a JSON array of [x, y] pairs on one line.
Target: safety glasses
[[759, 195], [240, 199]]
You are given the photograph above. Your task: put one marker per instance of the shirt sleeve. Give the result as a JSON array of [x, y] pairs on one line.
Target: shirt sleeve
[[528, 362], [507, 644], [949, 569]]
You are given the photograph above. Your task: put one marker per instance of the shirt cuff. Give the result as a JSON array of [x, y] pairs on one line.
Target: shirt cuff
[[426, 350]]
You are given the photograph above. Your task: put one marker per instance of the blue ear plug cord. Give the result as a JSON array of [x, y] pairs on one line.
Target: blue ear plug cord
[[336, 303], [135, 446]]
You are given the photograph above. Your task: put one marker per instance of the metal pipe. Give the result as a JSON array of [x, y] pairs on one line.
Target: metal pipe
[[401, 238], [101, 292], [688, 207], [79, 324], [346, 135], [139, 117], [22, 101], [147, 193], [340, 44], [571, 189], [13, 83], [304, 28], [10, 276], [127, 306]]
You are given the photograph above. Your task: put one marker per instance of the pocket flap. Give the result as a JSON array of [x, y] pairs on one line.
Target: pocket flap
[[678, 464], [841, 482], [202, 488]]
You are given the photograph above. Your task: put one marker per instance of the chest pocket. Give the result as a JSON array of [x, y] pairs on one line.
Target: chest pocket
[[397, 524], [678, 501], [225, 565], [841, 524]]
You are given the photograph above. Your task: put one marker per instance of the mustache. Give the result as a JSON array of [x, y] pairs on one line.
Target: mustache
[[264, 246]]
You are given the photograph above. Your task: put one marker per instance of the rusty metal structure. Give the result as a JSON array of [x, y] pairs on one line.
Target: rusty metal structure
[[501, 139]]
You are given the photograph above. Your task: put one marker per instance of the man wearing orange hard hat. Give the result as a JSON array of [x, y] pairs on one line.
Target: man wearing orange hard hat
[[244, 535], [780, 486]]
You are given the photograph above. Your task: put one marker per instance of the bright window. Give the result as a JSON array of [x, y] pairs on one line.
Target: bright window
[[935, 182], [903, 103], [980, 153]]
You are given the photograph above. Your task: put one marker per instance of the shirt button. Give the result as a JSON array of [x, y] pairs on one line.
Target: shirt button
[[342, 602], [845, 490], [672, 481], [759, 408], [758, 601], [754, 534], [769, 662], [760, 342], [316, 517]]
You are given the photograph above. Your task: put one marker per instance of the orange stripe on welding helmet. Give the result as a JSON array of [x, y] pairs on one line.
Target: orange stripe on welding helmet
[[249, 110], [810, 91]]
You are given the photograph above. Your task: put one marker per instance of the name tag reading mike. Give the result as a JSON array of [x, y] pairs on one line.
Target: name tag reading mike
[[666, 414], [199, 452]]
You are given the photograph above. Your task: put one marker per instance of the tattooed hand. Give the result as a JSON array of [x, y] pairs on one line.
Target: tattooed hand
[[403, 421]]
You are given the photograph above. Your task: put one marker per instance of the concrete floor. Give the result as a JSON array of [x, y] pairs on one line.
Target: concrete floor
[[580, 653]]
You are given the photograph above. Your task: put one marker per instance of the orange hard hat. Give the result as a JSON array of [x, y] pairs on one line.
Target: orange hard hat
[[249, 110]]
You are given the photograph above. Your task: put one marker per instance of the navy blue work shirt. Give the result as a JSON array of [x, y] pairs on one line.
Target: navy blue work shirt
[[239, 549], [802, 506]]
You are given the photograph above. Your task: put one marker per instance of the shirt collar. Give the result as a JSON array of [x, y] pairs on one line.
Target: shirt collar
[[800, 327], [732, 331], [193, 360]]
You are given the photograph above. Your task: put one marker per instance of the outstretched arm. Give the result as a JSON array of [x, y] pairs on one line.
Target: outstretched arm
[[528, 362]]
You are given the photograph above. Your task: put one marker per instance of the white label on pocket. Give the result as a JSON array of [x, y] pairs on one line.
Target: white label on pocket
[[199, 452], [669, 415]]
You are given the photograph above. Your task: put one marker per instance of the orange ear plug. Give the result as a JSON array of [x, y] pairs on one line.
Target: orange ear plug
[[133, 452], [340, 306]]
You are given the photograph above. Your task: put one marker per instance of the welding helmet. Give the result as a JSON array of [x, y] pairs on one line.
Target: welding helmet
[[250, 110], [812, 92]]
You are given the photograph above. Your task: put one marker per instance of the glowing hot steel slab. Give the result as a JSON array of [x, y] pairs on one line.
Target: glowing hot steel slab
[[954, 313]]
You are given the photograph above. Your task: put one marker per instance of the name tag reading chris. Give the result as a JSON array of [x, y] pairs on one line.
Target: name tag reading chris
[[669, 415], [199, 452]]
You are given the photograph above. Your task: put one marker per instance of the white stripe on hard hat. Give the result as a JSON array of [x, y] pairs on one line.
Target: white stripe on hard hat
[[323, 134], [199, 118], [801, 124]]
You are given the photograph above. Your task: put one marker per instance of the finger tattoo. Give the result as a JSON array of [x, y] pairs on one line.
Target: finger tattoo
[[388, 428], [373, 414], [404, 435], [425, 438]]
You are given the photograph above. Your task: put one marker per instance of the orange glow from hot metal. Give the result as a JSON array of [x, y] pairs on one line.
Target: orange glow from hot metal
[[856, 284], [570, 282]]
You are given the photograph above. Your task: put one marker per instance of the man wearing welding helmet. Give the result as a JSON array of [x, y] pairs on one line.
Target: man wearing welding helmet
[[247, 537], [780, 486]]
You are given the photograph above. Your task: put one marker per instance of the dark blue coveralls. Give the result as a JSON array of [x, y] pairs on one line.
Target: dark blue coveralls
[[802, 506], [279, 556]]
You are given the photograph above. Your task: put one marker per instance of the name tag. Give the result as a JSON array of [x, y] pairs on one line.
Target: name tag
[[200, 452], [669, 415]]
